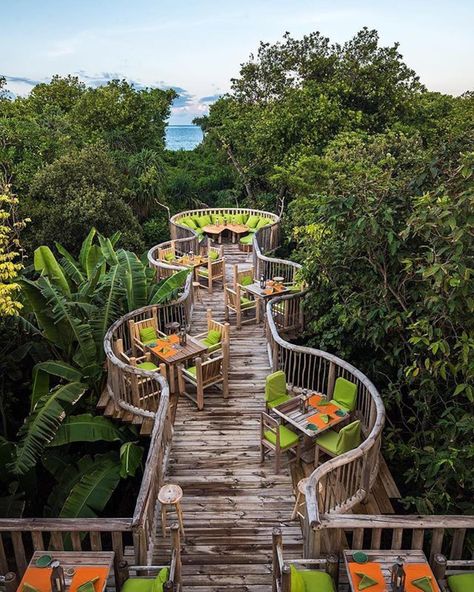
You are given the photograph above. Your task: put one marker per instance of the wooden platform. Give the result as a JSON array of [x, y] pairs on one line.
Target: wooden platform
[[231, 502]]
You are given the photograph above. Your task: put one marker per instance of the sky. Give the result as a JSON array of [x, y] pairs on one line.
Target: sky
[[197, 46]]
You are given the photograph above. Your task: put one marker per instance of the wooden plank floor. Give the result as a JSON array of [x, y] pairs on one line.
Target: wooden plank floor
[[231, 502]]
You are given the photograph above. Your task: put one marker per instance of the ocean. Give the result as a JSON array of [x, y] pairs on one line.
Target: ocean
[[183, 137]]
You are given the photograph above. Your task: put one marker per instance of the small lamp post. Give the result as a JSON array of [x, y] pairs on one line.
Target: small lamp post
[[58, 582], [262, 282], [398, 576], [182, 337]]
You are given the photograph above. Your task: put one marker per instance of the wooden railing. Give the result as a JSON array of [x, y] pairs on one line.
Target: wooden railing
[[180, 246], [341, 482]]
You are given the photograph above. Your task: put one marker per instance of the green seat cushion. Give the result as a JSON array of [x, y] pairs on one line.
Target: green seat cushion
[[253, 221], [287, 437], [241, 218], [246, 281], [263, 222], [191, 370], [329, 440], [213, 255], [169, 257], [215, 218], [278, 401], [148, 334], [147, 366], [246, 240], [339, 404], [319, 581], [345, 393], [138, 585], [211, 347], [461, 582], [188, 221], [203, 221], [203, 271], [296, 579], [275, 386], [246, 302], [214, 336]]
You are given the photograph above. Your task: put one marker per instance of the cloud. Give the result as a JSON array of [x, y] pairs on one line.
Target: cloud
[[21, 80], [210, 99]]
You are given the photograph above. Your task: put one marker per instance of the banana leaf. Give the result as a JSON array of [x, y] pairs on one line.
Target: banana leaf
[[130, 459], [169, 287], [71, 266], [108, 251], [42, 424], [111, 295], [133, 279], [42, 373], [45, 262], [85, 248], [54, 332], [85, 428]]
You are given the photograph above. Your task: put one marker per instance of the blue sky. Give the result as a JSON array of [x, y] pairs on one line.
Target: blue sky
[[196, 46]]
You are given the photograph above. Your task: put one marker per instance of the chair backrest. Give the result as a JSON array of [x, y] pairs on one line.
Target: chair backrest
[[242, 275], [233, 297], [216, 269], [269, 424], [275, 386], [213, 325], [349, 437], [345, 393], [217, 252], [136, 326], [168, 254], [212, 369]]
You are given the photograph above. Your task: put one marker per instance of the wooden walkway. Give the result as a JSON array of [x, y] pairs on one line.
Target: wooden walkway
[[231, 502]]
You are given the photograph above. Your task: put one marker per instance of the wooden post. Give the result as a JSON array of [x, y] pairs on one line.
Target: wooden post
[[277, 543], [10, 582], [199, 386], [331, 379], [332, 567], [176, 546], [439, 566], [286, 578], [121, 574]]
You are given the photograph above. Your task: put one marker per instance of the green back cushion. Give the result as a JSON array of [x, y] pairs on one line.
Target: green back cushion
[[138, 585], [253, 221], [317, 580], [213, 255], [214, 336], [246, 281], [147, 366], [169, 257], [275, 385], [203, 221], [188, 221], [247, 240], [297, 582], [160, 580], [345, 392], [262, 222], [349, 437], [148, 334], [461, 582]]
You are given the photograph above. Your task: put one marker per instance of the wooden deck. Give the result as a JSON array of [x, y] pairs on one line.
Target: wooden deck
[[231, 502]]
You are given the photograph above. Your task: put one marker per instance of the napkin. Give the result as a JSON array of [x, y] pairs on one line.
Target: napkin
[[323, 402], [29, 588], [366, 581], [324, 417], [423, 583], [88, 586]]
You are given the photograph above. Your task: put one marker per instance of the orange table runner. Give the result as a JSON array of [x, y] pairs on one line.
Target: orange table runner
[[329, 408], [418, 570], [164, 348], [371, 569], [40, 578]]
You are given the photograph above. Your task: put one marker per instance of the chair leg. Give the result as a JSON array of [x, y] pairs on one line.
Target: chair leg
[[239, 321], [298, 453], [200, 397], [277, 461], [316, 456]]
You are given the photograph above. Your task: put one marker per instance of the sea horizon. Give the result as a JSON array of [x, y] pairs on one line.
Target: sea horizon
[[183, 136]]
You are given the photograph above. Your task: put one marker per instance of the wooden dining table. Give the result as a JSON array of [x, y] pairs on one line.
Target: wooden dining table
[[218, 229], [379, 566], [195, 263], [291, 413], [87, 565]]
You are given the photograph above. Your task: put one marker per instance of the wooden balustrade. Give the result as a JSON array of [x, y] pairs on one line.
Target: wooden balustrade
[[179, 246]]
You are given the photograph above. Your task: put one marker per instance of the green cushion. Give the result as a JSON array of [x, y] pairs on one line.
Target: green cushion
[[339, 443], [246, 281], [199, 231], [246, 240], [169, 257], [319, 581], [275, 386], [461, 582], [345, 393], [241, 218], [211, 347], [138, 585], [253, 221], [287, 437], [191, 370], [296, 579], [203, 271], [188, 221], [329, 440], [278, 401], [148, 334], [246, 302], [213, 255], [214, 336], [263, 222], [147, 366], [203, 221]]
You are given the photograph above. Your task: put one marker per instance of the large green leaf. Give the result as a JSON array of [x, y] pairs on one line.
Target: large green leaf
[[38, 304], [71, 266], [69, 476], [169, 287], [85, 248], [111, 294], [91, 493], [45, 262], [42, 424], [95, 260], [130, 459], [42, 373], [86, 428], [108, 250], [133, 278]]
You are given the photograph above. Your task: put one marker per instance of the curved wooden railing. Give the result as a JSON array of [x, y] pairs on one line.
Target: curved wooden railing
[[340, 483]]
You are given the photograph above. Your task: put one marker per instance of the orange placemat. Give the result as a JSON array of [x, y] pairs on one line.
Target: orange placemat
[[317, 421], [161, 345], [371, 569], [39, 577], [84, 574], [329, 408], [418, 570]]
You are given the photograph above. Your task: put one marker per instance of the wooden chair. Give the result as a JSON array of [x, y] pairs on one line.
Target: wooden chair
[[212, 372], [313, 574], [237, 304], [136, 326], [243, 277], [335, 443], [208, 338], [277, 438], [168, 255], [213, 272]]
